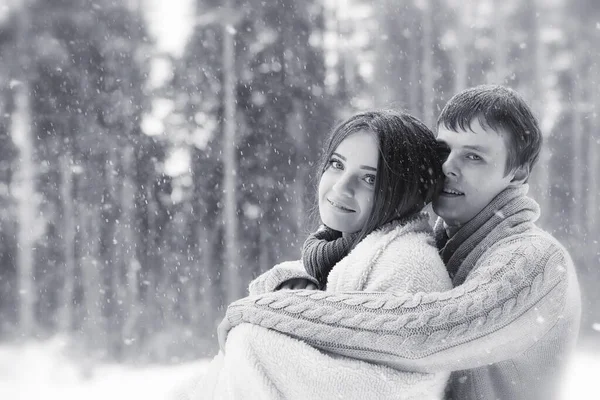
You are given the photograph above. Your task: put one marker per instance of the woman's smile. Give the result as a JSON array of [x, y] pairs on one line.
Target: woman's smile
[[340, 206]]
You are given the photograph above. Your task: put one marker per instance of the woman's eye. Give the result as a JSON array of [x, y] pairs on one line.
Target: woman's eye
[[370, 179], [336, 164]]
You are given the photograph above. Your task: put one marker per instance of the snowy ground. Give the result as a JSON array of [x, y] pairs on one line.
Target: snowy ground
[[43, 371]]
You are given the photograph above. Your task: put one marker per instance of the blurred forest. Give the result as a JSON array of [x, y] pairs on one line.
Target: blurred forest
[[132, 212]]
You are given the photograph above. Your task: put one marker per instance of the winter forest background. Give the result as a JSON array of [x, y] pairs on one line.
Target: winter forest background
[[144, 183]]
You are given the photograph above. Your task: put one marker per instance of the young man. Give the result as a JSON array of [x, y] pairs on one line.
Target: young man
[[511, 321]]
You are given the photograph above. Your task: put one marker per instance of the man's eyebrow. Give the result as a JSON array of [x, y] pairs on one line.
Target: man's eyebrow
[[476, 148], [473, 147]]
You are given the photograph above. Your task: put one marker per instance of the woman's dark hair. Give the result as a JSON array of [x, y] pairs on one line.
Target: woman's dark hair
[[409, 170]]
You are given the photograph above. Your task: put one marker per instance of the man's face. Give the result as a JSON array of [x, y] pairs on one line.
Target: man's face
[[474, 172]]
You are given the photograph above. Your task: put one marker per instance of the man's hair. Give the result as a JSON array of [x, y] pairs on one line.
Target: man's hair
[[497, 108], [409, 170]]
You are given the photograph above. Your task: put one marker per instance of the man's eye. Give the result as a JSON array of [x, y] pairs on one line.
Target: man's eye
[[473, 157]]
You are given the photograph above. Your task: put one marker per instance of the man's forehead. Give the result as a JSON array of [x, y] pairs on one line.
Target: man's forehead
[[475, 138], [483, 142]]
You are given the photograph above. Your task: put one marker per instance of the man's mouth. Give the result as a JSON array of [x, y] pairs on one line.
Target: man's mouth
[[451, 192], [340, 206]]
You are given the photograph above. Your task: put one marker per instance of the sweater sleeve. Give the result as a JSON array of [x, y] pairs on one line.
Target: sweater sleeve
[[512, 299], [270, 280]]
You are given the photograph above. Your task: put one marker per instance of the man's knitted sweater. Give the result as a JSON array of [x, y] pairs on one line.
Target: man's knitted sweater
[[508, 325]]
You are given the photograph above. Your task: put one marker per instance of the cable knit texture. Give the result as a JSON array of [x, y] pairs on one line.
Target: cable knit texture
[[399, 258], [506, 329]]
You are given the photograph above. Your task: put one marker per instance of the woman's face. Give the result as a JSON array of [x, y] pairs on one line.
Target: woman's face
[[347, 186]]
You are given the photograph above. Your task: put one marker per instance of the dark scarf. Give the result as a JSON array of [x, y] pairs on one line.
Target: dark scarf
[[322, 250], [509, 213]]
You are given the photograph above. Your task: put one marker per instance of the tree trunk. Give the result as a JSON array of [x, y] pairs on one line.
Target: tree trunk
[[593, 148], [427, 70], [578, 165], [24, 182], [414, 82], [295, 128], [68, 239], [25, 196], [541, 175], [382, 89], [209, 285], [128, 287], [93, 325], [460, 55], [230, 164], [502, 46], [112, 254]]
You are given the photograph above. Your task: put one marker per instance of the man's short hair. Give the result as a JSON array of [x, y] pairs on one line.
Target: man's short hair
[[497, 108]]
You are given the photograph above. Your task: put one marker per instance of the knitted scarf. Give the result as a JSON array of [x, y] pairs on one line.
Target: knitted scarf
[[511, 209], [322, 250]]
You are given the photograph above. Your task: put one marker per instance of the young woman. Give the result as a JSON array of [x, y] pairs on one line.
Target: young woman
[[380, 168]]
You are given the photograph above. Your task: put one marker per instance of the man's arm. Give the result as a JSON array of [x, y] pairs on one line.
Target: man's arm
[[277, 276], [500, 311]]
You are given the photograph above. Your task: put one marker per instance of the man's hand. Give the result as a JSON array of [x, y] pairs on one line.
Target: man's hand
[[222, 331], [297, 284], [292, 284]]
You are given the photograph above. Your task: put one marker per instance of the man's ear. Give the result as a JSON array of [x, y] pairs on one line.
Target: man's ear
[[521, 175]]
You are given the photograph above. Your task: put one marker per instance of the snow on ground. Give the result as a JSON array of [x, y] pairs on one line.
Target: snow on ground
[[42, 370]]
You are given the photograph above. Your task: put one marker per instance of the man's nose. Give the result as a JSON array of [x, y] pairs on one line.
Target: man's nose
[[449, 167]]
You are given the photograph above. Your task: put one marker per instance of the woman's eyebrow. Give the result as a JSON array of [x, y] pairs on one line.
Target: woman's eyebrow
[[367, 167]]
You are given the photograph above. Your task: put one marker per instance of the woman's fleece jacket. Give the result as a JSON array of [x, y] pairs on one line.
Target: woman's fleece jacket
[[263, 364]]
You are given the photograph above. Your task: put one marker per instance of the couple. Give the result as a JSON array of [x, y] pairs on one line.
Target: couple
[[483, 306]]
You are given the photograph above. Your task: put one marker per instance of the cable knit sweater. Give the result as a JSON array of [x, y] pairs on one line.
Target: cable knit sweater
[[506, 329], [259, 363]]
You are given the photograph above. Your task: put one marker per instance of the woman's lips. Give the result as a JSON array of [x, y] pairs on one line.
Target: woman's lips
[[340, 206]]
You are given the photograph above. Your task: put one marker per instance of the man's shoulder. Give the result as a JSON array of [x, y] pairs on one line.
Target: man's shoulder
[[534, 243]]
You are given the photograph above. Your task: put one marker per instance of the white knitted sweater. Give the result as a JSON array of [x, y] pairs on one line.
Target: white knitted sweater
[[507, 328], [263, 364]]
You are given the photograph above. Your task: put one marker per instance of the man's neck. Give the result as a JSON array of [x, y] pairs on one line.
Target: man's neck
[[451, 229]]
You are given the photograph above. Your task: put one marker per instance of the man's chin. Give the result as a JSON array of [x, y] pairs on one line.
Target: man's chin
[[441, 208], [448, 214]]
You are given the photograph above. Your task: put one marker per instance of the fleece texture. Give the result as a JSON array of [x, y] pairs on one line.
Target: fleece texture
[[263, 364]]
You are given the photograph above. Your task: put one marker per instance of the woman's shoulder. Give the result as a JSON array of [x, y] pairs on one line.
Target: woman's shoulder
[[418, 222], [407, 260], [413, 261]]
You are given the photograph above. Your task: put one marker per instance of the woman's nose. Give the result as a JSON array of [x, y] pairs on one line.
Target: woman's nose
[[344, 186]]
